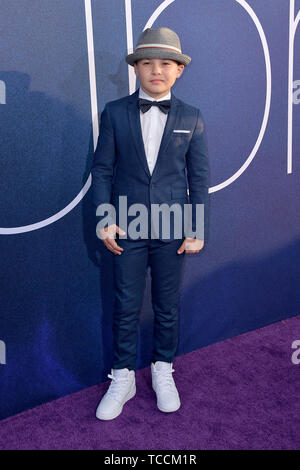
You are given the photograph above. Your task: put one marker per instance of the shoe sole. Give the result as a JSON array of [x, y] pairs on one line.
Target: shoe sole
[[168, 411], [117, 413]]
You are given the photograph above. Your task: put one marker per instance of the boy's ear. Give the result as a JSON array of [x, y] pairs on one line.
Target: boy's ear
[[181, 68]]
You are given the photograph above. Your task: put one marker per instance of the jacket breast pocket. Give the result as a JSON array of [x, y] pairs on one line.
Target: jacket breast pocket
[[179, 142]]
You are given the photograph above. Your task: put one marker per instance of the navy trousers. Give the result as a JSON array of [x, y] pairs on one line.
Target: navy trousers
[[130, 270]]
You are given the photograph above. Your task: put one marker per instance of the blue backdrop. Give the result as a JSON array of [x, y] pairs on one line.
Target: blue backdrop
[[56, 298]]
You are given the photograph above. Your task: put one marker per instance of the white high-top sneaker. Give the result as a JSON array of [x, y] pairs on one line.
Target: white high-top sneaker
[[164, 386], [121, 389]]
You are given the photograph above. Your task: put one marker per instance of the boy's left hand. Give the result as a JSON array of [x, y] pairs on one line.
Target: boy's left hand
[[191, 245]]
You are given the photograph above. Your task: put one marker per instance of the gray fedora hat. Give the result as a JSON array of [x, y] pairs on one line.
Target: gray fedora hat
[[158, 43]]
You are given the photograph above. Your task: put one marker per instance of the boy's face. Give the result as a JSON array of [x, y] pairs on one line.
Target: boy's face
[[157, 76]]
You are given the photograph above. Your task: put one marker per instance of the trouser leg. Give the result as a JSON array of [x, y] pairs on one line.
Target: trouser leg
[[166, 269], [130, 270]]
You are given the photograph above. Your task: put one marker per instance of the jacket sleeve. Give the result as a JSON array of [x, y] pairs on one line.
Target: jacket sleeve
[[198, 174], [103, 164]]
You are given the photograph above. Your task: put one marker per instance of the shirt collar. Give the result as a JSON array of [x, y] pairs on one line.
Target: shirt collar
[[145, 96]]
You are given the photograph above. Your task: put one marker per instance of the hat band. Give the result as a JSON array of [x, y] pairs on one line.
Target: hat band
[[158, 46]]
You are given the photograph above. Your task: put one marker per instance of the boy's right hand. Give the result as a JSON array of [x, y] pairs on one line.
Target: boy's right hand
[[107, 235]]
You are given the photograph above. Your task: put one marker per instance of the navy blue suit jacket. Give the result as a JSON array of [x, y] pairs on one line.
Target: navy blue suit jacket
[[120, 165]]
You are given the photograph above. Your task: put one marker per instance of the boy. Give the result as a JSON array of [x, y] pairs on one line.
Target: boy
[[150, 145]]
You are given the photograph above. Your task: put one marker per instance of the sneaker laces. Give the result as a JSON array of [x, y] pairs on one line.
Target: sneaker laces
[[118, 386], [165, 378]]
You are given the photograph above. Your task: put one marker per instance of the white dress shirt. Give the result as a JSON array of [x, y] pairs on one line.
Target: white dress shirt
[[153, 124]]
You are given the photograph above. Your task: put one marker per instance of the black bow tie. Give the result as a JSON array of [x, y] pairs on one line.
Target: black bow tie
[[145, 105]]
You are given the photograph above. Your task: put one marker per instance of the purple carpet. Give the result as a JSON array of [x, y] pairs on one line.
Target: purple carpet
[[241, 393]]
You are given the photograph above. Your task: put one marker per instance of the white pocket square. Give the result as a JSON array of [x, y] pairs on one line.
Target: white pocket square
[[178, 131]]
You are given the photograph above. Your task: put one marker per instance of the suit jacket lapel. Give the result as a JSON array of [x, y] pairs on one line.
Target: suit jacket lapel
[[136, 130]]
